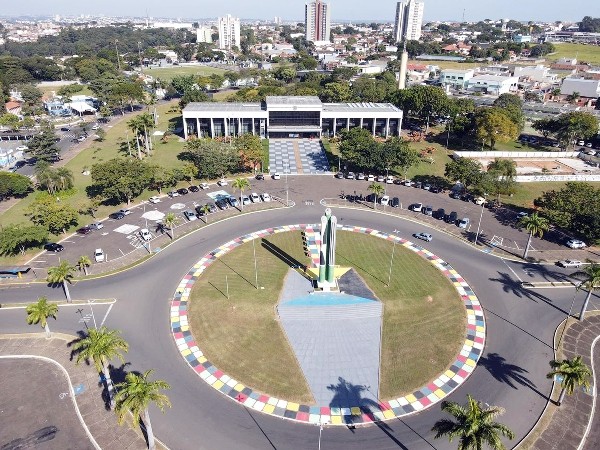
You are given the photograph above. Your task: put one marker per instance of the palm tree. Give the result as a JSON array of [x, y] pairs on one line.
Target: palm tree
[[135, 395], [65, 178], [590, 282], [241, 184], [474, 425], [574, 373], [572, 98], [377, 190], [205, 212], [170, 220], [39, 313], [536, 225], [61, 274], [505, 171], [83, 263], [101, 345]]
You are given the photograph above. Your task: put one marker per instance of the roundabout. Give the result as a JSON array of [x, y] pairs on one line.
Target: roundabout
[[510, 372]]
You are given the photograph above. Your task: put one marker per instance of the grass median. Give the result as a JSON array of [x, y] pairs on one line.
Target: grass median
[[423, 324]]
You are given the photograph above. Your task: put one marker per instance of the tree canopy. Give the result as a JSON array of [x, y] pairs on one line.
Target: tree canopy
[[212, 158], [16, 238], [120, 180], [52, 214]]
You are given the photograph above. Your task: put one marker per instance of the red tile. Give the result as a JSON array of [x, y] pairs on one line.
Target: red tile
[[325, 411], [302, 416]]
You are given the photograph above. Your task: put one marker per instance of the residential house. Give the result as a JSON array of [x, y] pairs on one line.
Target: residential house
[[456, 78]]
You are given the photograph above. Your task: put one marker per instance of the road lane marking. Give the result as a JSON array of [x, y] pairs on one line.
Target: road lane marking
[[510, 268]]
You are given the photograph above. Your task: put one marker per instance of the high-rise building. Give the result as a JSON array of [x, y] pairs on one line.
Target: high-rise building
[[204, 34], [317, 22], [409, 18], [229, 32]]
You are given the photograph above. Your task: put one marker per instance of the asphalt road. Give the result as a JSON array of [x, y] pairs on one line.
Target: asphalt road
[[511, 372]]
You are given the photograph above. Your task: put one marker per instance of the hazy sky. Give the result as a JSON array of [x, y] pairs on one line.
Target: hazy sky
[[355, 10]]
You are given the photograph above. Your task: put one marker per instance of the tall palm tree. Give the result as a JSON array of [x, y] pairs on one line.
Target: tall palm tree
[[205, 212], [536, 225], [505, 170], [170, 220], [83, 263], [474, 425], [574, 373], [377, 190], [64, 177], [241, 184], [590, 282], [135, 395], [40, 311], [61, 274], [101, 345]]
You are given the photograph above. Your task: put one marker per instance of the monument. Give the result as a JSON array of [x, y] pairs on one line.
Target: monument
[[326, 278]]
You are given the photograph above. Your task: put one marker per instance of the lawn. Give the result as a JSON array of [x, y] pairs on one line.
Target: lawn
[[423, 325], [583, 53], [526, 193], [168, 73], [47, 89]]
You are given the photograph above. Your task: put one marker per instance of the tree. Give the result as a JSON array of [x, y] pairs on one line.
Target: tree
[[591, 282], [212, 158], [574, 97], [190, 171], [356, 146], [43, 145], [135, 395], [170, 220], [424, 101], [395, 152], [18, 238], [512, 106], [474, 425], [590, 24], [206, 211], [120, 180], [336, 92], [251, 149], [494, 125], [101, 345], [242, 184], [377, 190], [535, 225], [464, 170], [503, 173], [40, 311], [576, 125], [61, 274], [100, 134], [83, 263], [14, 184], [574, 373], [50, 213]]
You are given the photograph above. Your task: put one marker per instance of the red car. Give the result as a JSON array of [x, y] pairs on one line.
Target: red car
[[84, 230]]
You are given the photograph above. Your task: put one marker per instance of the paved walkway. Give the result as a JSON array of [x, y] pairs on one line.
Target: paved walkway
[[570, 421], [101, 422], [297, 156]]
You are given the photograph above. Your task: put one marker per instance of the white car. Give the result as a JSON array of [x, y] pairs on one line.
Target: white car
[[245, 200], [203, 185], [464, 223], [125, 212], [154, 199], [479, 201], [95, 126], [96, 225], [582, 143], [350, 176], [407, 183], [380, 178], [255, 197], [266, 197], [145, 234], [22, 148], [424, 236], [569, 263], [360, 176], [99, 255], [173, 194], [575, 243], [417, 207], [222, 182], [389, 180], [276, 176], [371, 178], [385, 200]]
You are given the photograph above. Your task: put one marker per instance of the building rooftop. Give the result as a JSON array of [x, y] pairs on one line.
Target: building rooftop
[[300, 100], [345, 107], [222, 106]]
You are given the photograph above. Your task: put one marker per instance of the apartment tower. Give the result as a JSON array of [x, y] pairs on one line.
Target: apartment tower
[[409, 18], [317, 21]]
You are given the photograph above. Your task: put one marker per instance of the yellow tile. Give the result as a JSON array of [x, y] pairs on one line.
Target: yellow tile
[[269, 409], [439, 393], [470, 362], [355, 411], [449, 373], [218, 384], [239, 387], [202, 359], [336, 420], [411, 398], [389, 414], [293, 406], [186, 352]]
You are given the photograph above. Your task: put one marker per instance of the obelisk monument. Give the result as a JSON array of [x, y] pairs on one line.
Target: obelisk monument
[[327, 250]]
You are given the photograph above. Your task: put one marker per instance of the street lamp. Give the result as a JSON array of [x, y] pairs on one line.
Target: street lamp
[[321, 431], [480, 217], [287, 195], [392, 259], [568, 316]]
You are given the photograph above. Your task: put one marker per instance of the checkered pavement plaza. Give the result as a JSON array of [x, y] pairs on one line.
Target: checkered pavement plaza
[[299, 156], [422, 398]]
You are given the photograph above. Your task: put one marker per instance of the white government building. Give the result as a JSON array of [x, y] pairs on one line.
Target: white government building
[[289, 117]]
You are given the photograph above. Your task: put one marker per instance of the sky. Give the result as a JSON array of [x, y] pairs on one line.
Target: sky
[[341, 10]]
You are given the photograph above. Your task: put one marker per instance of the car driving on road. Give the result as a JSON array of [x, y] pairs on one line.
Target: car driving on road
[[423, 236], [569, 263]]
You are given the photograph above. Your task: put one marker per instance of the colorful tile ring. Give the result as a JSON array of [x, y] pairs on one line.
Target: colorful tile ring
[[417, 401]]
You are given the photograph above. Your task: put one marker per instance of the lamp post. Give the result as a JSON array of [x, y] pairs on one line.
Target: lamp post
[[568, 316], [449, 123], [255, 266], [480, 217], [392, 259], [287, 195], [321, 431]]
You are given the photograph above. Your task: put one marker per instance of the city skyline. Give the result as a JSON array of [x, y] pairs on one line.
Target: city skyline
[[350, 10]]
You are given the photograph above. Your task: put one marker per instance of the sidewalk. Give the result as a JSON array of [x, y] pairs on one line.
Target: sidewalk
[[569, 422], [101, 423]]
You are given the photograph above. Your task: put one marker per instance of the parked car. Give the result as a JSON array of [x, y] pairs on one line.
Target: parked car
[[204, 185], [452, 217], [233, 202], [339, 175], [260, 176], [385, 200], [395, 202], [222, 204], [212, 208], [173, 194], [125, 211], [22, 148], [154, 199], [440, 214], [428, 211], [435, 189], [427, 186], [389, 179], [416, 207], [255, 197], [182, 191], [575, 243], [65, 129], [360, 176], [464, 222], [370, 177], [99, 255], [455, 195], [276, 176], [53, 247], [569, 263], [266, 197], [222, 182], [424, 236], [417, 184], [190, 215], [145, 234], [380, 178], [350, 176], [199, 210], [245, 200], [96, 225], [84, 230], [407, 183], [193, 188], [117, 215], [479, 201]]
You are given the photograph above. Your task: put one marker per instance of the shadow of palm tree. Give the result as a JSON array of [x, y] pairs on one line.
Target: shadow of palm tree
[[544, 272], [507, 373], [348, 395], [516, 288]]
